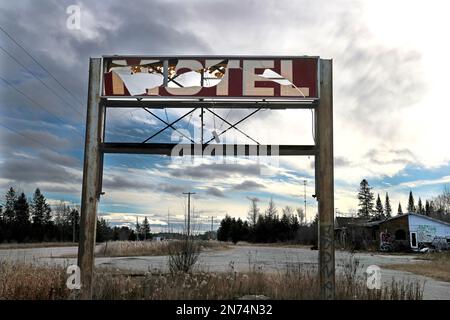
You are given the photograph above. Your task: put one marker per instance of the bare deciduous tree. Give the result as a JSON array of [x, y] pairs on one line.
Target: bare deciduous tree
[[254, 212], [301, 216]]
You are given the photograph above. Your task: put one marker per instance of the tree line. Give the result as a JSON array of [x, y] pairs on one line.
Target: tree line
[[438, 207], [269, 226], [23, 220], [292, 226], [34, 220]]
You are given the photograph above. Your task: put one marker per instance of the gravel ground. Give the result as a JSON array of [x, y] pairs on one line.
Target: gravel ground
[[241, 259]]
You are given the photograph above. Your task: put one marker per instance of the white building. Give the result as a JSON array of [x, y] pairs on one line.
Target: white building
[[417, 230]]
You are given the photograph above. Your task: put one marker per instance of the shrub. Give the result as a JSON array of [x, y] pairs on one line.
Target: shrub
[[183, 255]]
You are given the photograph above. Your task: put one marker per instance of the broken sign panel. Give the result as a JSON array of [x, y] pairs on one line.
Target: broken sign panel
[[212, 77]]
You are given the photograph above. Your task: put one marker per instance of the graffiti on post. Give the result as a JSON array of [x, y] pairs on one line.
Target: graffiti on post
[[327, 261]]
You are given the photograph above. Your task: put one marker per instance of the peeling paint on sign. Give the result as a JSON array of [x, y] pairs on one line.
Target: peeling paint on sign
[[290, 78]]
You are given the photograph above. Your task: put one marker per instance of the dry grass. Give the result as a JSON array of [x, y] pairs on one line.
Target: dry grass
[[436, 266], [19, 281], [149, 248], [6, 246], [273, 244], [28, 281]]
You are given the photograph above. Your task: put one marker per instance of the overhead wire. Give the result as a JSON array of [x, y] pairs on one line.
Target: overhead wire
[[36, 103], [41, 81], [40, 65], [29, 138]]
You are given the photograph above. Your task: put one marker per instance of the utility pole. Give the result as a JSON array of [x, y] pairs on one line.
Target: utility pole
[[189, 212], [74, 223], [304, 194], [212, 227], [145, 230], [137, 228], [168, 222]]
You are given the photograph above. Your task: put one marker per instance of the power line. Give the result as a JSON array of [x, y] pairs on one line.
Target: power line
[[29, 138], [41, 81], [39, 64], [36, 103]]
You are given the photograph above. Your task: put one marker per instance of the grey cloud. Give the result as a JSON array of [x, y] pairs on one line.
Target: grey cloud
[[141, 28], [248, 185], [216, 192], [60, 189], [400, 156], [171, 188], [31, 170], [59, 159], [374, 79], [341, 162], [216, 170], [119, 182], [40, 139]]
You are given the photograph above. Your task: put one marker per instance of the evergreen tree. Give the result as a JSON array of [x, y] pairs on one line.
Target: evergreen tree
[[411, 206], [146, 229], [387, 207], [294, 226], [138, 230], [10, 200], [224, 231], [379, 212], [399, 211], [104, 232], [284, 229], [38, 208], [431, 210], [420, 208], [365, 197], [75, 224], [41, 216], [236, 230], [21, 224], [49, 226]]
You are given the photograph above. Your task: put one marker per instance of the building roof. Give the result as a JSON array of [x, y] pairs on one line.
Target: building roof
[[417, 215], [343, 222]]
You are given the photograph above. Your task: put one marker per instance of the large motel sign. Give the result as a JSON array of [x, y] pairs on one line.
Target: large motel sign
[[206, 82]]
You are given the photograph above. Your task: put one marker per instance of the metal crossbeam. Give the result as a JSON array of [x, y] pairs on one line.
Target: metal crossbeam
[[212, 149], [161, 103], [169, 125], [232, 126]]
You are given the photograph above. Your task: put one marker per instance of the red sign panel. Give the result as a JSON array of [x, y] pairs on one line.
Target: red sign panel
[[236, 78]]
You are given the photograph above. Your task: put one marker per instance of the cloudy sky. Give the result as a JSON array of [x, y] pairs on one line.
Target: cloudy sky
[[390, 84]]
